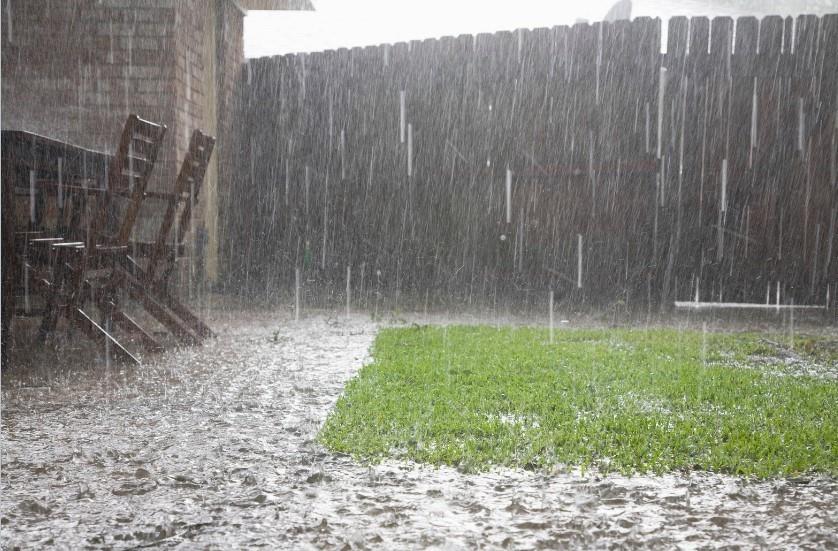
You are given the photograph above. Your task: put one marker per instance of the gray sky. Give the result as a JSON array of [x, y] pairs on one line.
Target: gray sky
[[348, 23]]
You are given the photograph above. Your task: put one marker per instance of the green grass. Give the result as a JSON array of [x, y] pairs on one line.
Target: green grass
[[630, 401]]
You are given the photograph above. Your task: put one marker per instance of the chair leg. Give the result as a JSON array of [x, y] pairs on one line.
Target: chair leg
[[190, 319], [130, 326], [170, 322], [96, 333], [108, 304], [53, 293]]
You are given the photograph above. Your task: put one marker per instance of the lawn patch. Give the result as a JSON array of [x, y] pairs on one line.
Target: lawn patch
[[632, 401]]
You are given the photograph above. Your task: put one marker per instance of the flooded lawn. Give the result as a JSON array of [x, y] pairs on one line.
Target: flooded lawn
[[628, 400], [214, 447]]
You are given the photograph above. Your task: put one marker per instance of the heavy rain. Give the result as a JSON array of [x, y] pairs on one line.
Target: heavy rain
[[376, 275]]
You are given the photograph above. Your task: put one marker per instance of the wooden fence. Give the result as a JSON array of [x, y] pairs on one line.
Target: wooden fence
[[579, 159]]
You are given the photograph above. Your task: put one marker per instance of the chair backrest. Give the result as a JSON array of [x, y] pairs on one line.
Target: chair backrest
[[187, 187], [128, 175]]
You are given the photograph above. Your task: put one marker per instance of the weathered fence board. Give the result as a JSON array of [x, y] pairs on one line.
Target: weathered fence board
[[514, 162]]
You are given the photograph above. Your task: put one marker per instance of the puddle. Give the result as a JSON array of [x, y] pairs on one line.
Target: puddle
[[213, 447]]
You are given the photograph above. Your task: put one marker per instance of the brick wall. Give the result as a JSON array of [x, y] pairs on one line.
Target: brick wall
[[74, 69], [230, 45], [104, 60]]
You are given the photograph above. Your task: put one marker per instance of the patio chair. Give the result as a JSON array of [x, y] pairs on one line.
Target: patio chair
[[90, 269], [148, 285]]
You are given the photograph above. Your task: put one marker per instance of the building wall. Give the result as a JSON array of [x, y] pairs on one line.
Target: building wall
[[229, 55], [74, 70]]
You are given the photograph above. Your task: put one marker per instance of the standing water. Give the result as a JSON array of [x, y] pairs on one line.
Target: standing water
[[216, 447]]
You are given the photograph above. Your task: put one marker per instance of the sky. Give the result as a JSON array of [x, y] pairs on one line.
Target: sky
[[349, 23]]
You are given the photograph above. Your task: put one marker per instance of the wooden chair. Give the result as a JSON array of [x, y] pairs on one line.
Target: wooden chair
[[90, 269], [148, 285]]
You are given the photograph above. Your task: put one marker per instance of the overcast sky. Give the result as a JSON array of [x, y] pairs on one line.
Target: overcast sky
[[348, 23]]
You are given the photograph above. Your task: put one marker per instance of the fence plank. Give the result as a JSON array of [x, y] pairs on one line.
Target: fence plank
[[324, 154]]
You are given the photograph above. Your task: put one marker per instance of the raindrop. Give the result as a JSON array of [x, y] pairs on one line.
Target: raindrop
[[26, 304], [287, 180], [777, 302], [579, 261], [108, 341], [297, 293], [32, 197], [402, 114], [325, 223], [307, 184], [508, 195], [551, 315], [753, 125], [801, 125], [348, 289], [661, 91], [342, 154], [409, 150]]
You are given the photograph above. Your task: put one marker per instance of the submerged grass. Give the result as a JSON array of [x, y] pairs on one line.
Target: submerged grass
[[624, 400]]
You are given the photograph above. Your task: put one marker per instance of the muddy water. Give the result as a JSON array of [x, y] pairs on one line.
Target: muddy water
[[214, 447]]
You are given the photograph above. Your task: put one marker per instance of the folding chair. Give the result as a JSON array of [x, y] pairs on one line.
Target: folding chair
[[91, 269], [149, 285]]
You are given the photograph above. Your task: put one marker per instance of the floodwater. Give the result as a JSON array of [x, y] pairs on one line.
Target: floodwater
[[214, 447]]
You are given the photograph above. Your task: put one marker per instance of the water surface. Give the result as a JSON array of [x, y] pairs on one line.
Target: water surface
[[214, 447]]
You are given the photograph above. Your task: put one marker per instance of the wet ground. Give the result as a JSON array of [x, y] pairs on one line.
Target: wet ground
[[214, 447]]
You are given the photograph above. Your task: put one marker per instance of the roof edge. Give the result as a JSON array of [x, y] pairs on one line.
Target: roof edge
[[285, 5]]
